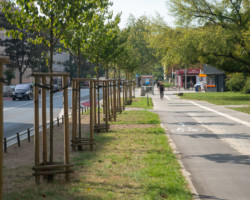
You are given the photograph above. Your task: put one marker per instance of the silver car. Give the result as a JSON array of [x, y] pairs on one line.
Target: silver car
[[7, 91]]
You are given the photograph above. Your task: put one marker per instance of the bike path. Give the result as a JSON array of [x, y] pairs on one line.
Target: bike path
[[213, 143]]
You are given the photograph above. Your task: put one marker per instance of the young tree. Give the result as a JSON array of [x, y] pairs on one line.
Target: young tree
[[51, 17]]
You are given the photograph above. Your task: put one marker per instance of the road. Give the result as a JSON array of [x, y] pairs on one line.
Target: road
[[19, 115], [213, 143]]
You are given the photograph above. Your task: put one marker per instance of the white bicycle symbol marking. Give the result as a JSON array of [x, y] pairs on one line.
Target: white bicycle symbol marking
[[187, 129]]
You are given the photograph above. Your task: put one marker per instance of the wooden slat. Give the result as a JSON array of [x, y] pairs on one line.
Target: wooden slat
[[36, 74], [46, 167], [53, 172]]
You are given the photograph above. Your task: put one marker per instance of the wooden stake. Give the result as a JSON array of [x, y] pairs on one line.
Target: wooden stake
[[66, 127], [106, 104], [44, 122], [94, 101], [2, 61], [74, 113], [91, 112], [114, 100], [36, 126]]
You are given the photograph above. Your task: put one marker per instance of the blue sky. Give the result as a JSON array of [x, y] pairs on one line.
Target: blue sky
[[141, 7]]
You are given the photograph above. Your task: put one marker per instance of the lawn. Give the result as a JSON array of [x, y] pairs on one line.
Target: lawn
[[141, 102], [220, 98], [137, 117], [242, 109], [127, 163]]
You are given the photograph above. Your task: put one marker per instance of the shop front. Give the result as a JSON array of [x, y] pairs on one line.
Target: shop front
[[187, 78], [215, 79]]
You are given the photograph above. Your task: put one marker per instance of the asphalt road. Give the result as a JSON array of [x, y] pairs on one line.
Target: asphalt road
[[19, 115], [213, 143]]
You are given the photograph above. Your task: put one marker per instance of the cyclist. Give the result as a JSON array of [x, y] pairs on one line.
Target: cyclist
[[161, 87]]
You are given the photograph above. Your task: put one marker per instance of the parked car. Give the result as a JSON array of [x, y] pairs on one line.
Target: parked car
[[13, 87], [23, 91], [7, 91]]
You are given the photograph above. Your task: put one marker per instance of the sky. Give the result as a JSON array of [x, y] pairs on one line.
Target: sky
[[141, 7]]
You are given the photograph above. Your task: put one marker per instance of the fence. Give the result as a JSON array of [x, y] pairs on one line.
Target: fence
[[27, 134]]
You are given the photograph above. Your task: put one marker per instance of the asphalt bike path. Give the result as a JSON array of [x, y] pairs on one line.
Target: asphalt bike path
[[213, 143]]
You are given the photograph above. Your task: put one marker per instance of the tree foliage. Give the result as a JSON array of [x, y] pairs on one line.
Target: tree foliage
[[220, 36]]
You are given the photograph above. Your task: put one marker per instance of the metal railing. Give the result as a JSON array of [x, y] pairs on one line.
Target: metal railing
[[27, 134]]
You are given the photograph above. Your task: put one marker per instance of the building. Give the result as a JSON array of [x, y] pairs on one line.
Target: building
[[187, 77], [215, 79]]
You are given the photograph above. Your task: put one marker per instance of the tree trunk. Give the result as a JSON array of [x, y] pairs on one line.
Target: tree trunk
[[51, 128], [107, 74], [20, 76]]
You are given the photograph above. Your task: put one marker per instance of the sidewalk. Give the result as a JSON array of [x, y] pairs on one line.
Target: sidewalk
[[213, 143]]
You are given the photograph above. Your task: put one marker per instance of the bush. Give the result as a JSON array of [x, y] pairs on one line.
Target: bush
[[246, 89], [236, 82]]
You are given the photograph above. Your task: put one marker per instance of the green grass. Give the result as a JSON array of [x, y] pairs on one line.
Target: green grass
[[220, 98], [137, 117], [168, 84], [242, 109], [141, 102], [127, 164]]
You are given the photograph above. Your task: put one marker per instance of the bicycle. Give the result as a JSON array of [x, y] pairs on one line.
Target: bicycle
[[161, 95]]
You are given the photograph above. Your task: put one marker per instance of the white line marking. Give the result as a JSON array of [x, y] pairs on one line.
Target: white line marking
[[222, 114], [167, 97]]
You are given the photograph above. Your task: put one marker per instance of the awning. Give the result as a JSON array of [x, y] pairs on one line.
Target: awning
[[202, 75]]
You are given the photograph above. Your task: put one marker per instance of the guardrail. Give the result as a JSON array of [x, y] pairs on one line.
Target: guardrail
[[27, 134]]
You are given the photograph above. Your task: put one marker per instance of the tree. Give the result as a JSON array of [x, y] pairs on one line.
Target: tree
[[101, 42], [221, 33], [49, 19], [23, 55], [9, 74], [138, 44]]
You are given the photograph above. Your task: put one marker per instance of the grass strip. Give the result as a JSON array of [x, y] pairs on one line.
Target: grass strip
[[127, 164], [141, 102], [242, 109], [220, 98], [137, 117]]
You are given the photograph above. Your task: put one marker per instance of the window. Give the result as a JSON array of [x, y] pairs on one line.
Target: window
[[211, 81]]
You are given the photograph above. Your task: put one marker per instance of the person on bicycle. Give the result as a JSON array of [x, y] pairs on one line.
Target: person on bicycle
[[161, 87]]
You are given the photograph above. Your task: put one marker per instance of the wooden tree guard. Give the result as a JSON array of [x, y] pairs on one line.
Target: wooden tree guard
[[123, 94], [3, 60], [118, 98], [134, 83], [46, 168], [112, 100], [128, 94], [82, 141], [98, 126]]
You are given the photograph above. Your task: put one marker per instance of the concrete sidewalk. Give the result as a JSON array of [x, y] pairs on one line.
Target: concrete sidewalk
[[213, 144]]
